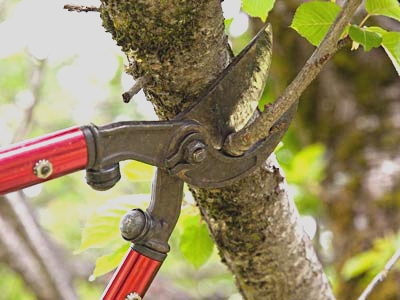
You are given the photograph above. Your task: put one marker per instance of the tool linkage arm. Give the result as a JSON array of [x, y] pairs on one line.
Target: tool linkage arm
[[97, 149], [149, 231]]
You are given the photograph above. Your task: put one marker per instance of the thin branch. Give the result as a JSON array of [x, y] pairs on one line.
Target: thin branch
[[137, 86], [20, 257], [81, 8], [241, 141], [36, 83], [46, 273], [53, 270], [381, 275]]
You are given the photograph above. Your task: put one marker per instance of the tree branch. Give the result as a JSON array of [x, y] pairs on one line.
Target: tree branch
[[27, 249], [381, 275], [241, 141], [36, 81], [137, 86], [81, 8], [52, 279]]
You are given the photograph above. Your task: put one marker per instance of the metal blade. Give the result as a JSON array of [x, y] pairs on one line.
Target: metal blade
[[230, 102]]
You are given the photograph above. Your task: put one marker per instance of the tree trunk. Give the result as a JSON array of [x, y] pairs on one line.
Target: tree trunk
[[180, 48]]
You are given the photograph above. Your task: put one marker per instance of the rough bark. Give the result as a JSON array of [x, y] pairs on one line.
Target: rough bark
[[181, 47], [256, 227]]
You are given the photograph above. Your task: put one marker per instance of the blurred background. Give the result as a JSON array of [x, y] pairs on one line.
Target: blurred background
[[59, 69]]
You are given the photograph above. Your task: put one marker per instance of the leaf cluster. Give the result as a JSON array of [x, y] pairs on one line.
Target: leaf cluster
[[312, 20], [101, 230]]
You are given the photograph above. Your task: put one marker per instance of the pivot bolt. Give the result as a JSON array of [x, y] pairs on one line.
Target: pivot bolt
[[43, 169], [196, 152], [133, 296]]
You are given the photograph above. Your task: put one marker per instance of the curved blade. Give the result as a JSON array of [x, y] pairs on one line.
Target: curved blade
[[230, 102]]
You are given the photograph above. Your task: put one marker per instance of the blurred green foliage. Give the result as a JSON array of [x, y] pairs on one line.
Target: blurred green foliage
[[371, 262], [12, 286], [304, 170], [137, 171], [195, 242], [76, 88]]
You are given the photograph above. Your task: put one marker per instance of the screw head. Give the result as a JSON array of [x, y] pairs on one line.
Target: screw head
[[43, 169]]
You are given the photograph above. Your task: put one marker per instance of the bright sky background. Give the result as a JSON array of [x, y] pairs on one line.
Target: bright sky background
[[47, 30]]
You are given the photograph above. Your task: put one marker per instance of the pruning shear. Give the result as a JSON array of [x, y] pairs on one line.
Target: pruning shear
[[188, 148]]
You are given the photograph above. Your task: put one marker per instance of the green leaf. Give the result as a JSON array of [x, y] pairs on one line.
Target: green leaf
[[307, 165], [313, 19], [196, 244], [388, 8], [138, 172], [110, 261], [102, 228], [258, 8], [391, 44], [364, 37], [376, 29]]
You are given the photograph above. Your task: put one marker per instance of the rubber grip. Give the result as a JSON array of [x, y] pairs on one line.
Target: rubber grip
[[40, 159]]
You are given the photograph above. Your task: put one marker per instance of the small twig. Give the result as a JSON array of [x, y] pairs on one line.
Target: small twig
[[81, 8], [36, 84], [137, 86], [381, 275], [241, 141]]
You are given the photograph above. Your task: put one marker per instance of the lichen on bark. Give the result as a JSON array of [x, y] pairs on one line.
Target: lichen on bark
[[159, 40], [256, 226]]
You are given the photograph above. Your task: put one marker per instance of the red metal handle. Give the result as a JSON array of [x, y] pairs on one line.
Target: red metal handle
[[132, 278], [40, 159]]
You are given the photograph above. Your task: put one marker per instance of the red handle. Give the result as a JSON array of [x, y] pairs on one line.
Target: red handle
[[132, 278], [41, 159]]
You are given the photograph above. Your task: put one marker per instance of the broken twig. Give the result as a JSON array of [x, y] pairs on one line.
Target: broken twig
[[81, 8], [137, 86]]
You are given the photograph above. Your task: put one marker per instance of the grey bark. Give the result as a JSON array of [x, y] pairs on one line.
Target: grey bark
[[181, 46]]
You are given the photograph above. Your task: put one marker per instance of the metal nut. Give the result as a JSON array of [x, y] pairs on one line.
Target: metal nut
[[133, 296], [43, 169], [196, 152]]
